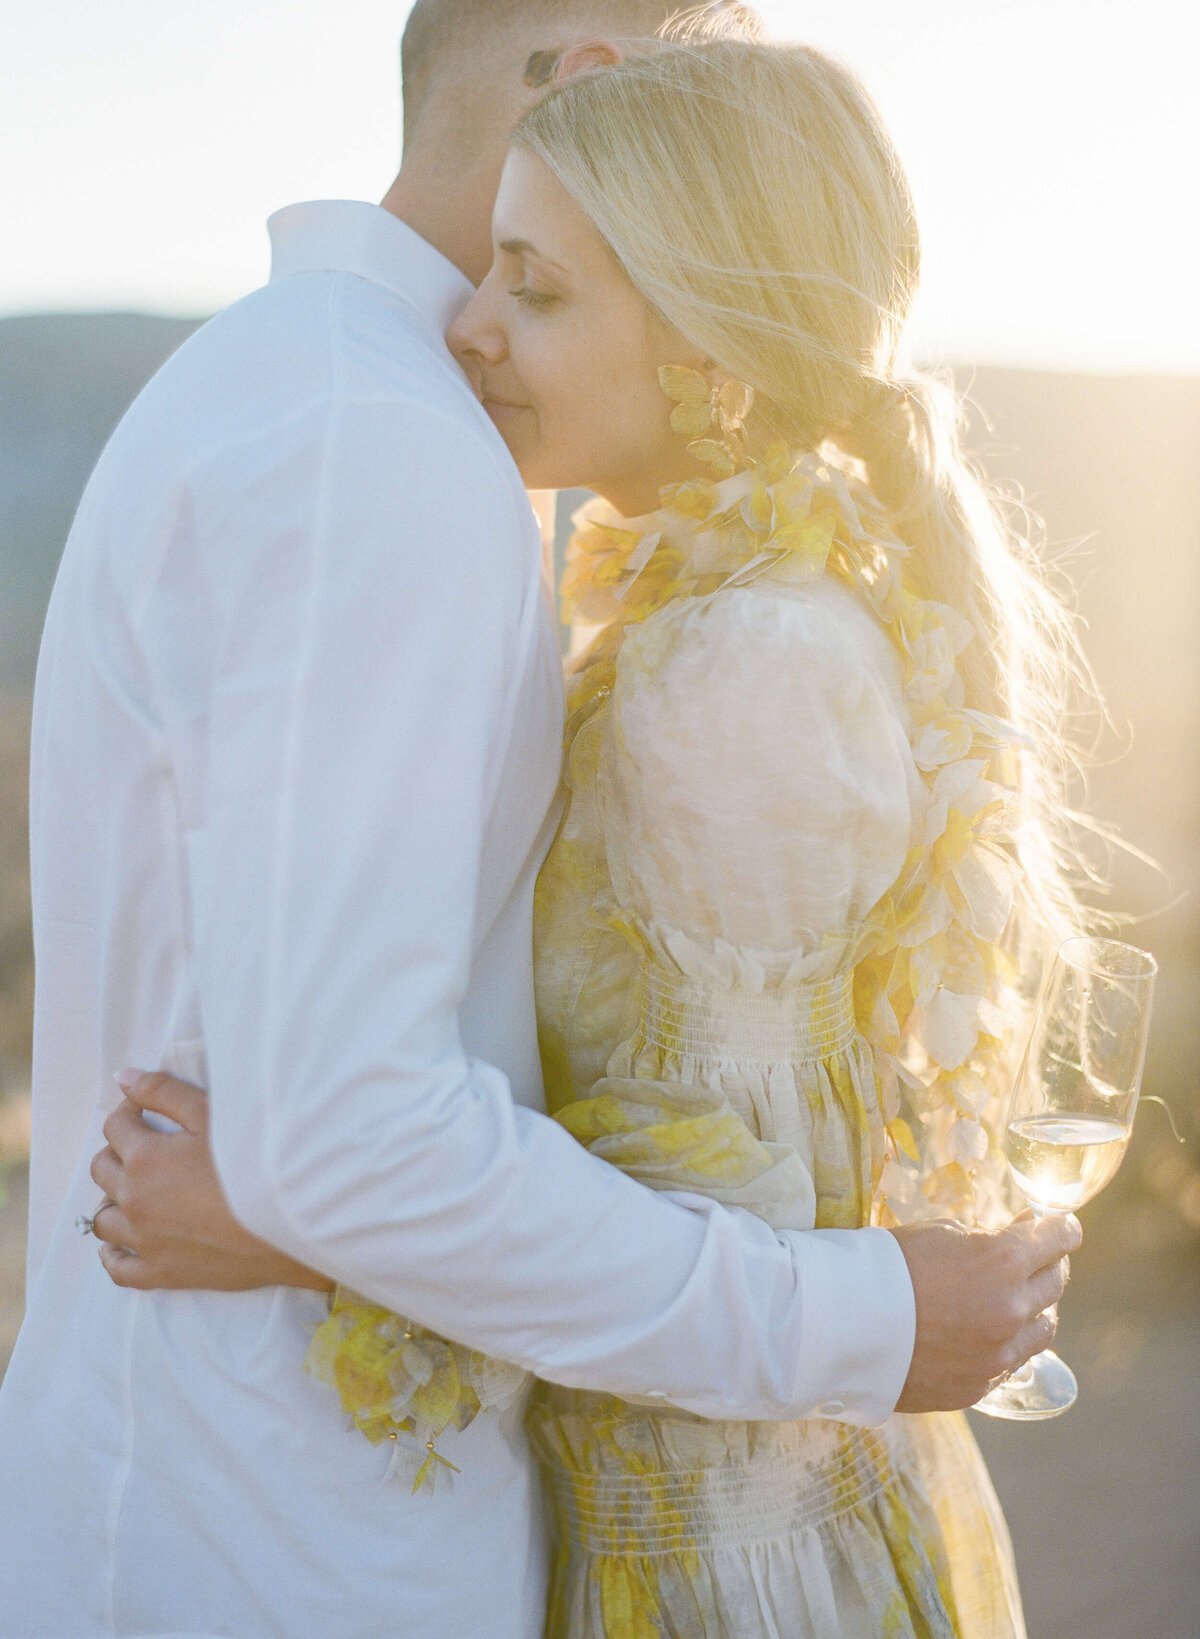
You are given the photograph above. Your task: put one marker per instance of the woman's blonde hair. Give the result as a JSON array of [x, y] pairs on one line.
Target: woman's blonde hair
[[753, 196]]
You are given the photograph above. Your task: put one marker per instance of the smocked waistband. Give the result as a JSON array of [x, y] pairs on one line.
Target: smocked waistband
[[728, 1506], [793, 1024]]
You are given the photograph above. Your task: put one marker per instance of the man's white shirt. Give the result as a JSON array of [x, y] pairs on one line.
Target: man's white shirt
[[296, 754]]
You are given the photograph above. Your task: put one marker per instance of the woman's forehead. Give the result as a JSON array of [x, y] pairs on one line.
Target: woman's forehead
[[536, 216]]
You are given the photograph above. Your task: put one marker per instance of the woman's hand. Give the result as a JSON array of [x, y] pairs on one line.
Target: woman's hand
[[164, 1221]]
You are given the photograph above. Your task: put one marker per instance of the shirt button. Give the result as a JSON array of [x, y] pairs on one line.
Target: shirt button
[[831, 1408]]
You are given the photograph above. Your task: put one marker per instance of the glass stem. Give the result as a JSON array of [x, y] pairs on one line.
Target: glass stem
[[1024, 1375]]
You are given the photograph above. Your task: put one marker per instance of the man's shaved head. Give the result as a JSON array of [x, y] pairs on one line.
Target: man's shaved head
[[472, 68], [452, 42]]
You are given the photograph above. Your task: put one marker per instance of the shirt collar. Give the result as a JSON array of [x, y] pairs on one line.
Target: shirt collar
[[348, 236]]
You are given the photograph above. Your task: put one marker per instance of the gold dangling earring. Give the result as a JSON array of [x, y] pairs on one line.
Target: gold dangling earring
[[700, 406]]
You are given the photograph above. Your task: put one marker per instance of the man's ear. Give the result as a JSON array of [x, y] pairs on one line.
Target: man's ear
[[585, 55]]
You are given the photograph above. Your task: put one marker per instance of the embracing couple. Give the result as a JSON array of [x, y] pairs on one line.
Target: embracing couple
[[307, 847]]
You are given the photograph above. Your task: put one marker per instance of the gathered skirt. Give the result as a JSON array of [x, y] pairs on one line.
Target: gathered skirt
[[670, 1526]]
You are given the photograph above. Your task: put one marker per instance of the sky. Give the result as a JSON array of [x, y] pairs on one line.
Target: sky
[[1053, 147]]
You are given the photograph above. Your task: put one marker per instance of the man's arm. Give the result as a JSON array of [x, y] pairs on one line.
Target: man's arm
[[361, 713], [984, 1298]]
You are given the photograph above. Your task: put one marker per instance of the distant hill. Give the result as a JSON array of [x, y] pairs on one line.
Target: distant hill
[[65, 381]]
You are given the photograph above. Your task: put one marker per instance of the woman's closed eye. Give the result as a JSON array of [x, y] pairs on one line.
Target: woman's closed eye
[[538, 300]]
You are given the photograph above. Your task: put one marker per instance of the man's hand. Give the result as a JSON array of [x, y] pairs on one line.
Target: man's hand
[[985, 1304], [165, 1221]]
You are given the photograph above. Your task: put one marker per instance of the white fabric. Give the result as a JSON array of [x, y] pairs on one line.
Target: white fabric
[[757, 783], [295, 756]]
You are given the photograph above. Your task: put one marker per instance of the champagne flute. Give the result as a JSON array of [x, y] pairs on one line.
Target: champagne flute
[[1071, 1115]]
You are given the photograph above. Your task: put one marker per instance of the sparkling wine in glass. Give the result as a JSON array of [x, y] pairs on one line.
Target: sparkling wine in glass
[[1072, 1114]]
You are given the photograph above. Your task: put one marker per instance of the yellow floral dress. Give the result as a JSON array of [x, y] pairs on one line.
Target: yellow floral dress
[[748, 831], [770, 970]]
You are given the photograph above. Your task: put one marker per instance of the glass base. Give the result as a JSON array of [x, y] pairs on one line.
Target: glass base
[[1044, 1386]]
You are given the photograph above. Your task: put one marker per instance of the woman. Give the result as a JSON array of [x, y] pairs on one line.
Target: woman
[[777, 954]]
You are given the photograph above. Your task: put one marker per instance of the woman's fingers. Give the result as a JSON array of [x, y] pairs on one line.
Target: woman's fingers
[[123, 1129], [125, 1268], [108, 1173], [112, 1227], [166, 1095], [119, 1170]]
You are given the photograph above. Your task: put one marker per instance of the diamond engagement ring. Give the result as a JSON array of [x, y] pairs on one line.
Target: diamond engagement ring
[[85, 1225]]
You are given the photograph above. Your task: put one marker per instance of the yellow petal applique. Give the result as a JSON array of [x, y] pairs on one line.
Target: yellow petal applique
[[684, 386], [692, 420], [695, 499], [948, 1186], [926, 964], [969, 1092], [436, 1402], [758, 509], [395, 1377], [968, 1140], [882, 1026], [925, 910], [987, 882], [957, 628], [902, 1134], [944, 741], [954, 841], [602, 538], [959, 785], [793, 499], [734, 402], [932, 660], [949, 1028], [715, 455], [885, 1218], [967, 966], [426, 1471], [804, 547]]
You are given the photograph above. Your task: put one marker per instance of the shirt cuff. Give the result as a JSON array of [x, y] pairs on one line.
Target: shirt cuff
[[858, 1319]]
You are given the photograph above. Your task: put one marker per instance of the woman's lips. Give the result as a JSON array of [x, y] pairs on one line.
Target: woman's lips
[[501, 409]]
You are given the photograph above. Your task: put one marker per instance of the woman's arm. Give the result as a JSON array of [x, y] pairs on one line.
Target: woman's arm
[[165, 1221]]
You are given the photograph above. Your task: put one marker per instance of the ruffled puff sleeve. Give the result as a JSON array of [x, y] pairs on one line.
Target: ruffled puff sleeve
[[758, 798]]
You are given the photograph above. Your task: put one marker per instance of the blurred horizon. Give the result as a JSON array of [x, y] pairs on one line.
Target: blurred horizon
[[950, 361]]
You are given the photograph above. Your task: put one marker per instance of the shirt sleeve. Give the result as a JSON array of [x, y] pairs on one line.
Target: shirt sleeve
[[369, 621]]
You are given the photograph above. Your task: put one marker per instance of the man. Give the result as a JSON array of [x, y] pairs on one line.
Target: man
[[295, 759]]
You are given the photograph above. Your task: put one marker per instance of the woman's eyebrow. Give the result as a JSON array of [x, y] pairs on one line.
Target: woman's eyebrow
[[523, 247]]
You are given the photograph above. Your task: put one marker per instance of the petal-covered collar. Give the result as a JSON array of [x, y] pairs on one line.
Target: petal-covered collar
[[782, 514]]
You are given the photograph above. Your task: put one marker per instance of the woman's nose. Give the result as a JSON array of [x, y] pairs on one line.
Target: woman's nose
[[475, 338]]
